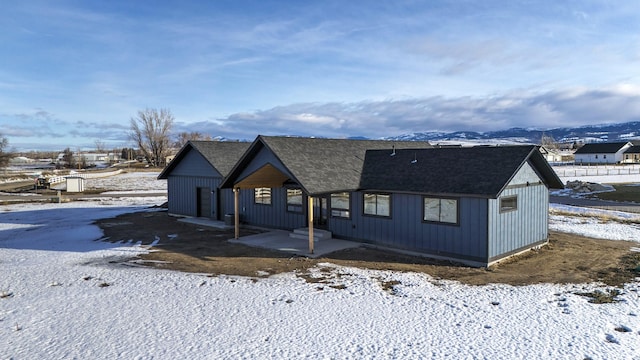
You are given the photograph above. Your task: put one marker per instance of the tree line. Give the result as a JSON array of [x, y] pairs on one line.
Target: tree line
[[150, 131]]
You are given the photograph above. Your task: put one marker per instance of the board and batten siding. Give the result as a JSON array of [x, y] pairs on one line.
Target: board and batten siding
[[194, 172], [262, 158], [183, 195], [527, 226], [406, 230], [274, 215]]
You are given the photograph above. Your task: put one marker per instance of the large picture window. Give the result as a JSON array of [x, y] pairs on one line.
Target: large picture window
[[509, 203], [377, 204], [262, 196], [441, 210], [294, 200], [340, 205]]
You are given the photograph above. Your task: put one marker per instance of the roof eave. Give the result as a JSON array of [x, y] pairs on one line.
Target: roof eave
[[164, 174]]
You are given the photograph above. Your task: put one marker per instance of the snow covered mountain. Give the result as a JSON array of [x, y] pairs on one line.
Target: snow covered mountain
[[585, 134]]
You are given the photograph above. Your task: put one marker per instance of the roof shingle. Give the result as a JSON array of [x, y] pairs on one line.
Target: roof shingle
[[478, 171]]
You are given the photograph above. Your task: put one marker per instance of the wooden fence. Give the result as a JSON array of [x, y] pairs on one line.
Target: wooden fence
[[597, 170]]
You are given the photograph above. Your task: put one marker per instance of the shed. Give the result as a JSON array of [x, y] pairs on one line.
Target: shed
[[75, 183]]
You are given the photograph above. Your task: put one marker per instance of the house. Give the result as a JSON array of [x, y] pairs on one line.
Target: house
[[194, 175], [473, 205], [601, 153], [632, 155], [556, 154]]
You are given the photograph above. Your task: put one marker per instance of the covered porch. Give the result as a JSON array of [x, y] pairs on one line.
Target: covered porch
[[268, 177]]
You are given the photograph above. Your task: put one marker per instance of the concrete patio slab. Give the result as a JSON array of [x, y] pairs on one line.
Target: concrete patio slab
[[280, 240]]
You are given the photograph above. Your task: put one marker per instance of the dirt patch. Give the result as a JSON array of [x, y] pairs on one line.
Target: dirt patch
[[193, 248]]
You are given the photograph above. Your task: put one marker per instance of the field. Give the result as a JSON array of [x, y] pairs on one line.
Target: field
[[73, 289]]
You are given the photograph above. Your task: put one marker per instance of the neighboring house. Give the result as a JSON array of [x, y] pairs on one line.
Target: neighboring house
[[194, 176], [92, 158], [474, 205], [556, 155], [601, 153], [632, 155]]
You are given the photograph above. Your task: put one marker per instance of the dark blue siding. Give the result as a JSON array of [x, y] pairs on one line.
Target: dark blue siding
[[262, 158], [405, 229], [194, 164], [274, 215], [194, 172], [183, 195]]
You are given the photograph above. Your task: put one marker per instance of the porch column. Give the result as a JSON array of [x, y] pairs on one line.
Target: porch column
[[310, 213], [236, 214]]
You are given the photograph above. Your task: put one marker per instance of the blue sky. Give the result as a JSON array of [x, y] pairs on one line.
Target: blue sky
[[73, 72]]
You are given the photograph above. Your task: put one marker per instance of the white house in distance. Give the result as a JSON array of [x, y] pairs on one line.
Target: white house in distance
[[93, 158], [602, 153], [556, 155]]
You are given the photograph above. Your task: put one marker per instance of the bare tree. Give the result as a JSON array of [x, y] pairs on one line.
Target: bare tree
[[4, 155], [184, 137], [548, 142], [100, 146], [151, 132]]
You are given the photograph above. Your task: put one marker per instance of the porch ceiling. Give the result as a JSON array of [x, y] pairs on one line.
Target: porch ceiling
[[266, 176]]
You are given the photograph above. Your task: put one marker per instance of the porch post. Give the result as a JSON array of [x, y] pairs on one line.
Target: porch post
[[310, 216], [236, 208]]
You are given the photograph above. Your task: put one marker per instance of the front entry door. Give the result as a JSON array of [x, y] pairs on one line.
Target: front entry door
[[320, 211]]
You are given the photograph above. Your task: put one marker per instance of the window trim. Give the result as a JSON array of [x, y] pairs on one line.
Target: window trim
[[376, 194], [504, 209], [339, 209], [293, 207], [440, 198], [255, 197]]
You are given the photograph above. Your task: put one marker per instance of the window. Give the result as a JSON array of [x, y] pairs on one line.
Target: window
[[262, 196], [340, 205], [294, 200], [377, 204], [440, 210], [509, 203]]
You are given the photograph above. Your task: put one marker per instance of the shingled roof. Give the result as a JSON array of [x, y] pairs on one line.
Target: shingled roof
[[320, 165], [222, 155], [475, 171], [633, 150], [601, 148]]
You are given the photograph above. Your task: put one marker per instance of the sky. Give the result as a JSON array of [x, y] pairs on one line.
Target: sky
[[76, 72]]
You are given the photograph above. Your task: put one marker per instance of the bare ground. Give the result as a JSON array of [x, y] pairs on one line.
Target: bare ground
[[191, 248]]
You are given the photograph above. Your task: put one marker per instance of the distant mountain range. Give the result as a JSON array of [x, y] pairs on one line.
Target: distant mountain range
[[585, 134]]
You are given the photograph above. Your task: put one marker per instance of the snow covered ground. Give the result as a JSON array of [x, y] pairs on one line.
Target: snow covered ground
[[129, 182], [61, 298]]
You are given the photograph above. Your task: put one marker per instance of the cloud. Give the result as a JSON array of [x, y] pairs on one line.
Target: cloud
[[374, 119], [43, 124]]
